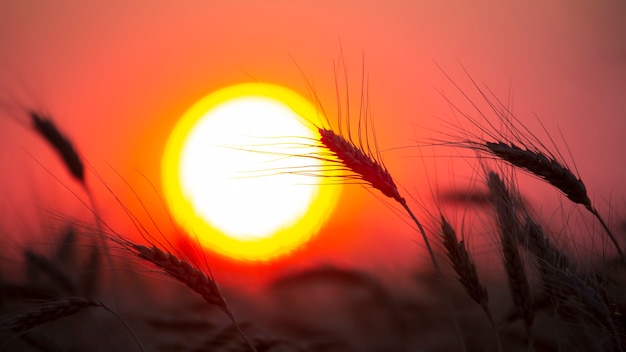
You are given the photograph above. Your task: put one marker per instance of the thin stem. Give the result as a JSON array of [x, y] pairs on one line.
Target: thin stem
[[239, 330], [423, 233], [130, 331], [595, 213], [431, 253]]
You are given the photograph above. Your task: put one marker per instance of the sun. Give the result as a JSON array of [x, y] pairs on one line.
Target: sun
[[236, 172]]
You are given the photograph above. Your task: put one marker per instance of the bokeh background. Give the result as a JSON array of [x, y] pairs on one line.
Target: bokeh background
[[116, 75]]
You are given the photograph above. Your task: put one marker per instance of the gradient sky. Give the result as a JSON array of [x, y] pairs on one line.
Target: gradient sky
[[116, 75]]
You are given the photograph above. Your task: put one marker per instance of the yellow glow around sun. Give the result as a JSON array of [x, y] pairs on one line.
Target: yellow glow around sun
[[230, 174]]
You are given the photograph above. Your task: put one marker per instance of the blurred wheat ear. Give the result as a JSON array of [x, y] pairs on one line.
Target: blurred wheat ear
[[61, 144], [56, 309], [509, 228]]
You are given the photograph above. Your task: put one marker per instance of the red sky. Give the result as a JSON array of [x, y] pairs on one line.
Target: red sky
[[117, 75]]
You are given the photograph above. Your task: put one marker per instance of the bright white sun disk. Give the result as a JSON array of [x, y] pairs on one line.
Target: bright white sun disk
[[234, 167]]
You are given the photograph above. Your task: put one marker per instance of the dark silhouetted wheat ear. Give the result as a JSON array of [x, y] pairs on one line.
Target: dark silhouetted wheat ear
[[549, 258], [463, 265], [61, 144], [355, 160], [53, 310], [465, 269], [553, 172], [56, 309], [509, 229], [188, 274]]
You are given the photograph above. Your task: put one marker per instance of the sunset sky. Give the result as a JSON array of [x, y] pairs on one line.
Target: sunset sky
[[116, 76]]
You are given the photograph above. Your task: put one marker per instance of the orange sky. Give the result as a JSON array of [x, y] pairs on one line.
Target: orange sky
[[117, 75]]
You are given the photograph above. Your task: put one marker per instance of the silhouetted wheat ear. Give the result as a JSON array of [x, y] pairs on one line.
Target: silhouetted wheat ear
[[56, 309], [543, 167], [61, 144], [466, 271], [53, 310], [184, 272], [542, 248], [191, 276], [355, 160], [509, 230], [552, 171], [464, 265]]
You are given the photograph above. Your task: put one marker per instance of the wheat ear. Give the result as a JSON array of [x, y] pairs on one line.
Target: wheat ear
[[60, 308], [61, 144], [509, 229], [191, 276], [464, 266], [553, 172], [549, 258], [373, 173]]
